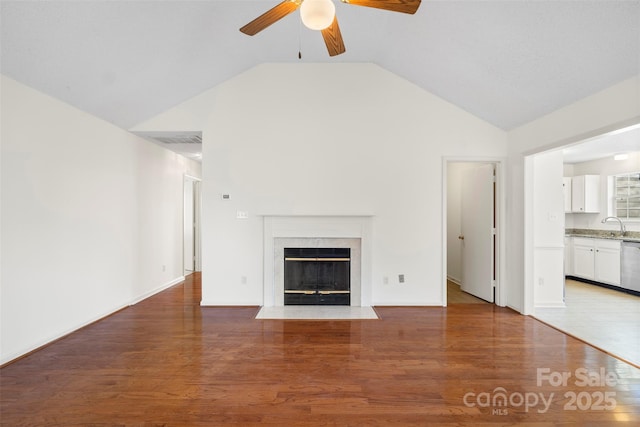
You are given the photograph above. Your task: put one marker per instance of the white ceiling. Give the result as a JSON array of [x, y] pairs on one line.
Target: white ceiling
[[623, 141], [507, 62]]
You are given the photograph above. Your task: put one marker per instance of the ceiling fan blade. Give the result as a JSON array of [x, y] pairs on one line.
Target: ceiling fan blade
[[269, 17], [333, 38], [404, 6]]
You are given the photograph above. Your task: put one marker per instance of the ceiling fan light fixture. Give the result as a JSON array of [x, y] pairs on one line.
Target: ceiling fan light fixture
[[317, 14]]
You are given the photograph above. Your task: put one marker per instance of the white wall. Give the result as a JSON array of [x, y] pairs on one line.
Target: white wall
[[327, 139], [610, 109], [548, 229], [348, 139], [91, 218], [391, 132], [605, 168]]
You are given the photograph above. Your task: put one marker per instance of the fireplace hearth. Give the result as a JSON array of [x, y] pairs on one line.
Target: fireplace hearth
[[317, 276]]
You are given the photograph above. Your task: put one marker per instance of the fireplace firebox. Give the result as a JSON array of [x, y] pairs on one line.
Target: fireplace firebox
[[317, 276]]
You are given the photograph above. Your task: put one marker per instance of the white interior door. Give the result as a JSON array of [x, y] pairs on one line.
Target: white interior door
[[189, 238], [478, 231], [197, 202]]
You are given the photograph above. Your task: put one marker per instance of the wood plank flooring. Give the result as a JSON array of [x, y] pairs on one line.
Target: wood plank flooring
[[168, 362], [455, 295]]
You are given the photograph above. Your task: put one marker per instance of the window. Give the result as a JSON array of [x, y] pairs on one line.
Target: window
[[627, 196]]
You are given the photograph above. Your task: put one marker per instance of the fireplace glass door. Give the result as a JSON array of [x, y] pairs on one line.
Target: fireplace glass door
[[317, 276]]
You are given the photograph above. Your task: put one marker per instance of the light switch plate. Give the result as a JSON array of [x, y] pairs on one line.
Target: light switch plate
[[242, 214]]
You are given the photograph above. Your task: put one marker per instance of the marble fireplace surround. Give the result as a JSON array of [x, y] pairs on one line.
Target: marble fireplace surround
[[352, 232]]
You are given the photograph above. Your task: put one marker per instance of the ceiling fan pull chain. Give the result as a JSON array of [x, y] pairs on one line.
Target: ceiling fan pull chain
[[300, 39]]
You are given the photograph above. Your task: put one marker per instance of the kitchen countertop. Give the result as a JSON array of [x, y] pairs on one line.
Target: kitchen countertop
[[630, 236]]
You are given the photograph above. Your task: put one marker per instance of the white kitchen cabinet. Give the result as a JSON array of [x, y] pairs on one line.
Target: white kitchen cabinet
[[566, 188], [584, 258], [597, 259], [585, 194], [607, 266]]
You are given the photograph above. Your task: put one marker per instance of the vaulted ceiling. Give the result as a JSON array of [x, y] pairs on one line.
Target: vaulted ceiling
[[507, 62]]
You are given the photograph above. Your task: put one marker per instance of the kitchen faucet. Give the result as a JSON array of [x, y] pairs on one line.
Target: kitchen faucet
[[622, 229]]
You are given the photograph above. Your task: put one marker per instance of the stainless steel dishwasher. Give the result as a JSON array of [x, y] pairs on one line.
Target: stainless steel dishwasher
[[630, 266]]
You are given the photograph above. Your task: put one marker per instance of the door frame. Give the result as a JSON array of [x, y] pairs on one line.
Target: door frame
[[528, 298], [500, 212]]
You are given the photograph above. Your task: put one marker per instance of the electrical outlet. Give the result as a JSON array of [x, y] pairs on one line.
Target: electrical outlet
[[400, 278], [164, 267], [385, 280], [243, 280]]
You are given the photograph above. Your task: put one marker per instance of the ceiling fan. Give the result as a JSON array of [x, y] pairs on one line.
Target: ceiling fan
[[321, 15]]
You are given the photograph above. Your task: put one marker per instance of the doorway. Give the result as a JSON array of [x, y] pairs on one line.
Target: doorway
[[472, 234], [547, 216], [580, 309], [191, 225]]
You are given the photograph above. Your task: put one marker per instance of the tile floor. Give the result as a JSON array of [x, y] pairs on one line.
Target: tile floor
[[317, 312], [607, 319]]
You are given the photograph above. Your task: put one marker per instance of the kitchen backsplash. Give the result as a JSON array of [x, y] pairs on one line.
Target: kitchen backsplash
[[594, 222]]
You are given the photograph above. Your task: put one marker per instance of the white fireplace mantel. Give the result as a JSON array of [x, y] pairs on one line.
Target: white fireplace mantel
[[316, 231]]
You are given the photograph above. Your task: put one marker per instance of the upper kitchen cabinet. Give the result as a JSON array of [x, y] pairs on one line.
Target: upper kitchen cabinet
[[585, 194]]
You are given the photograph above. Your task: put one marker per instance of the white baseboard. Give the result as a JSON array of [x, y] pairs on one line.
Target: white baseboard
[[550, 304], [454, 280], [230, 304], [41, 343], [516, 309], [157, 290], [52, 338], [408, 304]]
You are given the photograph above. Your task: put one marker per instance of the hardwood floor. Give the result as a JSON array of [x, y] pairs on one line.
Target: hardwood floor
[[167, 361], [455, 295]]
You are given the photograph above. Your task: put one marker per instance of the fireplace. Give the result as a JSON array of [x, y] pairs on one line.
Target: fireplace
[[353, 232], [317, 276]]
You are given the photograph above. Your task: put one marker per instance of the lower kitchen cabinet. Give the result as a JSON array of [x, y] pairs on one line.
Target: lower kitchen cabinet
[[584, 257], [608, 262], [597, 259]]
